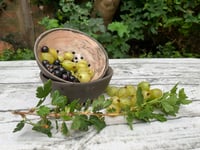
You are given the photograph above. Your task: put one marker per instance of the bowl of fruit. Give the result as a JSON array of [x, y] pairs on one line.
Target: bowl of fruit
[[81, 91], [68, 55]]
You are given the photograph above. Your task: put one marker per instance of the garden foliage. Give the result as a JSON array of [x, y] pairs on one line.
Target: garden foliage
[[156, 28]]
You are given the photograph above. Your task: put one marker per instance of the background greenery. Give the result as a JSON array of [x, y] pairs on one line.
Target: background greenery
[[145, 28]]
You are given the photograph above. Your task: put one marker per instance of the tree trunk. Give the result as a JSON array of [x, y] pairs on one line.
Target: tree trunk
[[106, 9], [26, 22]]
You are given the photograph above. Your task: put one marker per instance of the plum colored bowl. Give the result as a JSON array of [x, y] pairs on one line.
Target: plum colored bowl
[[81, 91]]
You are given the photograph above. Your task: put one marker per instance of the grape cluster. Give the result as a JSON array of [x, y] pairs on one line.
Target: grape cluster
[[66, 66], [125, 97]]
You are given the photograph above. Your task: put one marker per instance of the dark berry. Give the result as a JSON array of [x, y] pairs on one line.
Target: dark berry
[[65, 76], [71, 78], [51, 70], [81, 57], [44, 49], [61, 69], [56, 62], [73, 52], [57, 73], [47, 66], [68, 72], [44, 62], [76, 80]]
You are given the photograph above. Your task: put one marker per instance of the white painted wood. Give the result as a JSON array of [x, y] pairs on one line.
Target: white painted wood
[[19, 80]]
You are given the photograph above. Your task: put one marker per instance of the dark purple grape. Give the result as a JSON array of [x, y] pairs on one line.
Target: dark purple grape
[[47, 66], [76, 80], [45, 62], [57, 73], [56, 62], [68, 72], [44, 49], [71, 78], [65, 76], [61, 69]]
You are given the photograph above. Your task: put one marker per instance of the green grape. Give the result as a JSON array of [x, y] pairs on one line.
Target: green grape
[[47, 56], [81, 65], [112, 90], [84, 77], [115, 100], [122, 92], [155, 93], [125, 102], [69, 65], [146, 94], [82, 61], [53, 52], [61, 58], [144, 85], [133, 100], [131, 90], [68, 56], [114, 108]]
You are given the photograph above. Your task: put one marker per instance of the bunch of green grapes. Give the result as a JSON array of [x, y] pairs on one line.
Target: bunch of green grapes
[[67, 65], [125, 97]]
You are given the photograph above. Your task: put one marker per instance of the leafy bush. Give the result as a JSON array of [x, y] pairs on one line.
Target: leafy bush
[[159, 28], [19, 54]]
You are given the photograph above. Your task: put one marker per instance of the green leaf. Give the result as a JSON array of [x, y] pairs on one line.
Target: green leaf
[[64, 129], [43, 111], [183, 98], [19, 126], [80, 122], [64, 116], [119, 27], [174, 89], [43, 91], [43, 126], [160, 117], [129, 118], [100, 103], [97, 122], [139, 96], [43, 130], [58, 100], [167, 107], [145, 113], [73, 105]]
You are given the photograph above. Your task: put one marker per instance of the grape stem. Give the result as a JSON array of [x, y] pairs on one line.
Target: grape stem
[[58, 115]]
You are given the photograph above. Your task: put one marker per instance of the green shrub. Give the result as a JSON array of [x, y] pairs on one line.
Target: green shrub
[[19, 54], [157, 28]]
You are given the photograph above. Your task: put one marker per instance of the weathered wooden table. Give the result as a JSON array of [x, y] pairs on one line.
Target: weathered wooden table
[[19, 80]]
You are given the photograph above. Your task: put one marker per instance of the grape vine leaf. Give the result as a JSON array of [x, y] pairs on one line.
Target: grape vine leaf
[[64, 129], [58, 99], [19, 126], [100, 103], [97, 122], [43, 91], [80, 122], [43, 126], [43, 111], [139, 96]]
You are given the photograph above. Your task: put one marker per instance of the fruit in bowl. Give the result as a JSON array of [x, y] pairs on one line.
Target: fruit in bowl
[[81, 91], [74, 51]]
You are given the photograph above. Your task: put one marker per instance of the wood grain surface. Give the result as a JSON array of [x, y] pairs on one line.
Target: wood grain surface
[[19, 80]]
